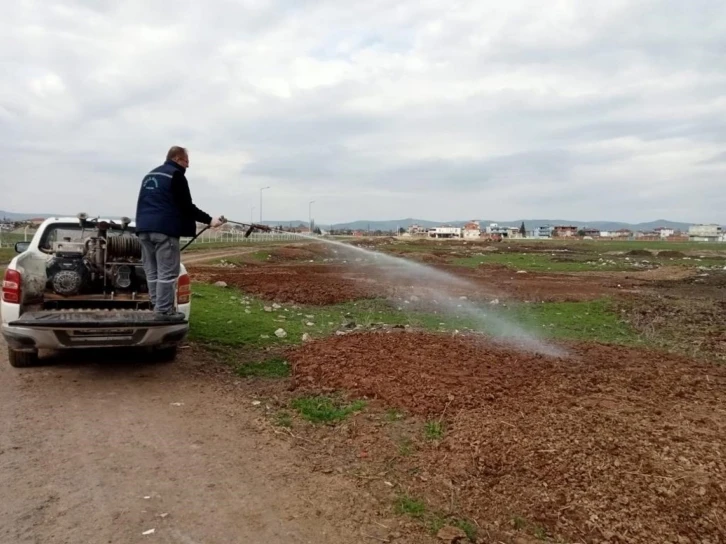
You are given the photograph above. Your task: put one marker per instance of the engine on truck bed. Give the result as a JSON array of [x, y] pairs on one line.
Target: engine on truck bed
[[97, 264]]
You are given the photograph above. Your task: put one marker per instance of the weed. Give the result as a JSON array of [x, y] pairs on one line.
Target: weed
[[468, 527], [272, 368], [436, 523], [392, 414], [521, 524], [322, 409], [405, 448], [434, 430], [283, 419], [408, 505]]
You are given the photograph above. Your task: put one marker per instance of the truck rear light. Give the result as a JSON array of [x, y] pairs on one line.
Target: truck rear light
[[184, 289], [12, 283]]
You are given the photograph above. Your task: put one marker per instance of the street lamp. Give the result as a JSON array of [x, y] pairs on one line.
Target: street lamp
[[310, 216], [261, 189]]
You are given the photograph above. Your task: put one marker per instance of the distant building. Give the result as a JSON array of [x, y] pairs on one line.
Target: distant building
[[471, 230], [706, 233], [664, 232], [622, 233], [592, 233], [543, 231], [564, 231], [417, 230], [445, 232]]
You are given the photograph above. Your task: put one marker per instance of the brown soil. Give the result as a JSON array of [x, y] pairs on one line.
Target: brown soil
[[639, 253], [304, 284], [671, 254], [99, 447], [331, 283], [611, 445]]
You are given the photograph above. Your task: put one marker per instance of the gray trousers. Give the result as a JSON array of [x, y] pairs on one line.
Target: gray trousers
[[161, 258]]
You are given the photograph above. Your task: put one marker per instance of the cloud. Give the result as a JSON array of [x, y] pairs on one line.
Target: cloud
[[378, 109]]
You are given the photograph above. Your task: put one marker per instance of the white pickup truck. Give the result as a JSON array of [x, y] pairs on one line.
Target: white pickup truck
[[79, 283]]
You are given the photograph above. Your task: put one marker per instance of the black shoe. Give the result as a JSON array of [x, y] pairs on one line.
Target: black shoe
[[170, 316]]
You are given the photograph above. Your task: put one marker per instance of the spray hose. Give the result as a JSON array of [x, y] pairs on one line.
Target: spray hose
[[251, 227]]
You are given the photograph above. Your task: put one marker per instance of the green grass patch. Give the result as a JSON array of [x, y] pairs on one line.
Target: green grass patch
[[324, 409], [7, 254], [283, 419], [410, 506], [276, 367], [434, 521], [539, 262], [406, 447], [393, 414], [434, 430], [227, 317], [218, 316], [521, 524], [260, 255], [586, 320], [468, 527]]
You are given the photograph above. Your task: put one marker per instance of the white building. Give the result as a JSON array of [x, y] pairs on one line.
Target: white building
[[705, 233], [445, 232], [543, 231], [665, 232], [416, 230]]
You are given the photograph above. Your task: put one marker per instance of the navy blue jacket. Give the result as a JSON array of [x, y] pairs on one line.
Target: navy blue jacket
[[165, 203]]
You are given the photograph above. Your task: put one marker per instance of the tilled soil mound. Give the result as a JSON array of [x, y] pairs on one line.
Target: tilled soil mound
[[291, 254], [318, 285], [612, 444], [671, 253]]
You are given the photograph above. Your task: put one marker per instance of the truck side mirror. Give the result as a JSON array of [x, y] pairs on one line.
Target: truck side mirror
[[20, 247]]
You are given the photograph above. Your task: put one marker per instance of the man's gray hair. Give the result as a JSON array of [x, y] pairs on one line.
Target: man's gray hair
[[176, 152]]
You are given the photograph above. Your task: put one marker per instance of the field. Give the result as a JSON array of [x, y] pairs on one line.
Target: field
[[559, 392]]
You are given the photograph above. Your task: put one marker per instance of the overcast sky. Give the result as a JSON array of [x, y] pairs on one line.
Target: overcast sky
[[436, 109]]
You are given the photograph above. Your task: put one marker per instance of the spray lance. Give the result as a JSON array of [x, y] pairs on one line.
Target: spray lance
[[251, 227]]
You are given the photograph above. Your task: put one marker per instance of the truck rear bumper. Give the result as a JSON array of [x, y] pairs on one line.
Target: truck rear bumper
[[78, 336]]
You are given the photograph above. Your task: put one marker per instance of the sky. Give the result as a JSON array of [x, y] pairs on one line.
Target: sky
[[434, 109]]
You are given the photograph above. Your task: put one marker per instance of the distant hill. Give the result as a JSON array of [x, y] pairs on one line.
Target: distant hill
[[392, 225]]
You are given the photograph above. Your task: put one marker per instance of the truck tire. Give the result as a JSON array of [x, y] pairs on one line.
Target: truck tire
[[22, 359]]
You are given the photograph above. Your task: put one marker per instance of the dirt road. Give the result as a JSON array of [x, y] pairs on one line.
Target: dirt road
[[99, 449]]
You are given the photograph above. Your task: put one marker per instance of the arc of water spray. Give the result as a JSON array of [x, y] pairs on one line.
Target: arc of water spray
[[504, 330]]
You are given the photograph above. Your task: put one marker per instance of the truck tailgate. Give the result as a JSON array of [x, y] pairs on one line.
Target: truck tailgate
[[91, 319]]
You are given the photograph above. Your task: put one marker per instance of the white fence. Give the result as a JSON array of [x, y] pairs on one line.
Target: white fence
[[210, 237], [8, 239]]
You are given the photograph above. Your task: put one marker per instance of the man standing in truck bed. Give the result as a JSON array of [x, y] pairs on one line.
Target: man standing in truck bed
[[164, 213]]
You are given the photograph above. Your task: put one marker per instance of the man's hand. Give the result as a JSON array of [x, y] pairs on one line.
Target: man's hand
[[217, 222]]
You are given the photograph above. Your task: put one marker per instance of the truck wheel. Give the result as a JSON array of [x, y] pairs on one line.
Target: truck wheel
[[22, 359], [165, 355]]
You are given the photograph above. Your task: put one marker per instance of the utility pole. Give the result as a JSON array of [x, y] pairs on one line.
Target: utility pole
[[310, 215], [261, 189]]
